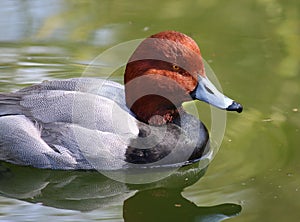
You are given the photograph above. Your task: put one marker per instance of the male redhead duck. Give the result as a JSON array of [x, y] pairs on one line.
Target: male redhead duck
[[88, 123]]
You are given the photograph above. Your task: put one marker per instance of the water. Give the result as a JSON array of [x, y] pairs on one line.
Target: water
[[253, 47]]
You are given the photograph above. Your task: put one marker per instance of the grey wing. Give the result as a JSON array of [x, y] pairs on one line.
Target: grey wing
[[106, 88], [91, 103], [84, 109], [59, 145], [21, 143], [46, 125], [101, 150], [111, 90]]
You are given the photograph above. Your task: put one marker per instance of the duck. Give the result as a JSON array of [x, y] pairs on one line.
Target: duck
[[94, 123]]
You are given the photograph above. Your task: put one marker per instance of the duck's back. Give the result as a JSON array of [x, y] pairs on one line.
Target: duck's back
[[52, 124]]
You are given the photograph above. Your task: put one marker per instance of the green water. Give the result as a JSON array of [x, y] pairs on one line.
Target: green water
[[252, 46]]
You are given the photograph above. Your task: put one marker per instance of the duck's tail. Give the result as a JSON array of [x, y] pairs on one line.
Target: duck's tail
[[10, 104]]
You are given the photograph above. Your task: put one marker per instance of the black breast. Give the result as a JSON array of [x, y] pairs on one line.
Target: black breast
[[184, 140]]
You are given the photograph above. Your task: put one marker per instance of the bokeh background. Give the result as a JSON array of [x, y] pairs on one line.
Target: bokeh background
[[253, 48]]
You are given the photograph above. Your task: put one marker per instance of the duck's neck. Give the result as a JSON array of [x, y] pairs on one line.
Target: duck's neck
[[155, 110]]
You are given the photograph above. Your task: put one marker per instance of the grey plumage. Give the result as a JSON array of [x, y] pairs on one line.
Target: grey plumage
[[85, 124], [57, 124]]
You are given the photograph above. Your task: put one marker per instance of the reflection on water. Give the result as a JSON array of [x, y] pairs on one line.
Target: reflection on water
[[28, 16], [87, 191], [26, 64], [253, 47]]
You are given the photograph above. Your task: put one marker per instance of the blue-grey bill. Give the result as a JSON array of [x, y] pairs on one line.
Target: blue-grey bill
[[207, 92]]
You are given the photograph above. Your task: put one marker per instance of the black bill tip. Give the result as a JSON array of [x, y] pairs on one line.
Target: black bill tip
[[235, 107]]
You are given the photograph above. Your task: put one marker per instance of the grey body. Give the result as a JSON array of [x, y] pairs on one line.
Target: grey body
[[81, 124]]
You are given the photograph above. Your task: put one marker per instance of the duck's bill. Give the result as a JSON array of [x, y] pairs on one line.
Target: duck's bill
[[207, 92]]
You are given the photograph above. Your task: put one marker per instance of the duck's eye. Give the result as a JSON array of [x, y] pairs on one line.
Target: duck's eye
[[175, 67]]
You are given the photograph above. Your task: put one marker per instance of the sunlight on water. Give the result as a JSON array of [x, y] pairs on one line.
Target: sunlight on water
[[253, 48]]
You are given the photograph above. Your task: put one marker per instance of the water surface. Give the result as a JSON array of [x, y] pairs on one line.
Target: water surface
[[253, 47]]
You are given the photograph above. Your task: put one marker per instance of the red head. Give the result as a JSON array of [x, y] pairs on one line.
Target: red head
[[161, 74]]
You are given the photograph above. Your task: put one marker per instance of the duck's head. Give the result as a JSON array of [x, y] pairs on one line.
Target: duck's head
[[164, 71]]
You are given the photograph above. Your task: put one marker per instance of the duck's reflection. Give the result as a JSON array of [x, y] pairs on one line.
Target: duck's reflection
[[169, 205], [86, 191]]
